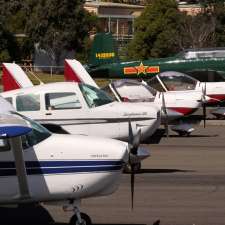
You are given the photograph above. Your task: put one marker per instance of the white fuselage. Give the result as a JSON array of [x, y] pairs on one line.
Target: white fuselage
[[178, 103], [64, 167], [77, 117], [215, 90]]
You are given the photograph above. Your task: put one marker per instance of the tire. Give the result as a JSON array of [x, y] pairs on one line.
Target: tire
[[86, 220]]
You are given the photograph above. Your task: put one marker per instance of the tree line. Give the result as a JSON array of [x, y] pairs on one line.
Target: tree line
[[162, 30], [58, 25]]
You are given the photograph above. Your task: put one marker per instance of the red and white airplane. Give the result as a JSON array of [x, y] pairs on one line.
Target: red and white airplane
[[176, 81], [174, 104], [39, 166]]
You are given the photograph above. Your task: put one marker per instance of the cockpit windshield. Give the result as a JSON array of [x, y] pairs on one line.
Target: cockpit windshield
[[38, 133], [175, 81], [132, 90], [94, 96]]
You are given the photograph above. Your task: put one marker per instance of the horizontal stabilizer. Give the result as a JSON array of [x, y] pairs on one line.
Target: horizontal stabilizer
[[74, 71], [13, 77]]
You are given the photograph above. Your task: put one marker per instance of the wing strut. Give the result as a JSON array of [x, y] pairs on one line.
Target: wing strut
[[16, 144]]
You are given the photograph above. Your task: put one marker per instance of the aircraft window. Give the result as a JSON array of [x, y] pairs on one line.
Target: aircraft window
[[132, 90], [94, 96], [4, 145], [154, 83], [175, 81], [9, 99], [62, 100], [108, 90], [29, 102], [37, 135]]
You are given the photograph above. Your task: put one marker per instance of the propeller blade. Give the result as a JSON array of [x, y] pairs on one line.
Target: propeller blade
[[204, 114], [132, 180], [204, 104], [131, 135], [165, 115], [134, 142]]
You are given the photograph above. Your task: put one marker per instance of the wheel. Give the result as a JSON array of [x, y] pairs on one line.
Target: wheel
[[181, 133], [86, 220]]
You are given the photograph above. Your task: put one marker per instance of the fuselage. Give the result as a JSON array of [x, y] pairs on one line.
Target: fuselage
[[177, 103], [81, 110], [63, 167], [151, 67]]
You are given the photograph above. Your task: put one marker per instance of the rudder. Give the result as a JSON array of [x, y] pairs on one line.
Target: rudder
[[103, 50]]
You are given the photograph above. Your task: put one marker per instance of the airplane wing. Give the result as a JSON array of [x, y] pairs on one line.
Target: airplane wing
[[13, 77], [12, 128], [74, 71]]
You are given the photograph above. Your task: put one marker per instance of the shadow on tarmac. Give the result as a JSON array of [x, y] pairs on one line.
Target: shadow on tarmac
[[157, 222], [193, 136], [35, 214], [25, 214], [164, 171]]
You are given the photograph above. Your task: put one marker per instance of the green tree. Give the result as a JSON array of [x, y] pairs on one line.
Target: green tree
[[8, 44], [59, 25], [156, 31], [198, 31]]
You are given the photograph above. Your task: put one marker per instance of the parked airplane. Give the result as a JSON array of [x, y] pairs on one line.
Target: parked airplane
[[38, 166], [68, 107], [174, 104], [203, 64], [176, 81]]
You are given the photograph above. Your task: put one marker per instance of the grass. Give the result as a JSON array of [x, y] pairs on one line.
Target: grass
[[51, 78]]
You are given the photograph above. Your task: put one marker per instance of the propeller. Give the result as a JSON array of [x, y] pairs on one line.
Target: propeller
[[204, 104], [164, 110], [134, 142]]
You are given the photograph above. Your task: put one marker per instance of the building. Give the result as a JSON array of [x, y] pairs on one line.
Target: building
[[115, 17]]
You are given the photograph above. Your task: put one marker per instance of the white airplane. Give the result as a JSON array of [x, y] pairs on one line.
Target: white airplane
[[174, 104], [39, 166], [69, 107], [176, 81]]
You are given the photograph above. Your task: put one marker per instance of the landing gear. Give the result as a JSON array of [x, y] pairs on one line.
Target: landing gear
[[136, 168], [78, 218], [183, 133], [82, 219]]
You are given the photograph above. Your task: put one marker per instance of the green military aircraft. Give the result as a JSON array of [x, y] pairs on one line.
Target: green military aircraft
[[203, 64]]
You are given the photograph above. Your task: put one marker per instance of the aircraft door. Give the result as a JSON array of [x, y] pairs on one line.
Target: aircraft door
[[65, 110]]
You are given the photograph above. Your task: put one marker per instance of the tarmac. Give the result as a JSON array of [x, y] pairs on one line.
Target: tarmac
[[182, 183]]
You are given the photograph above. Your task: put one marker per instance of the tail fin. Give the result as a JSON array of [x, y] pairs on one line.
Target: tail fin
[[13, 77], [103, 50], [74, 71]]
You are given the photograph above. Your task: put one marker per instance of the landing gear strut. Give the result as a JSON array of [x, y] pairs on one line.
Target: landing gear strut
[[78, 218]]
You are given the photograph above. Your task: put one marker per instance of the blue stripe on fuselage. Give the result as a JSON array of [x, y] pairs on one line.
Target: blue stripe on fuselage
[[59, 167]]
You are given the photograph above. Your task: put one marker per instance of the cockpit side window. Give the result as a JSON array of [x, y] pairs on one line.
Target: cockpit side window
[[37, 135], [62, 100], [28, 102], [9, 99], [4, 145], [175, 81], [154, 83]]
